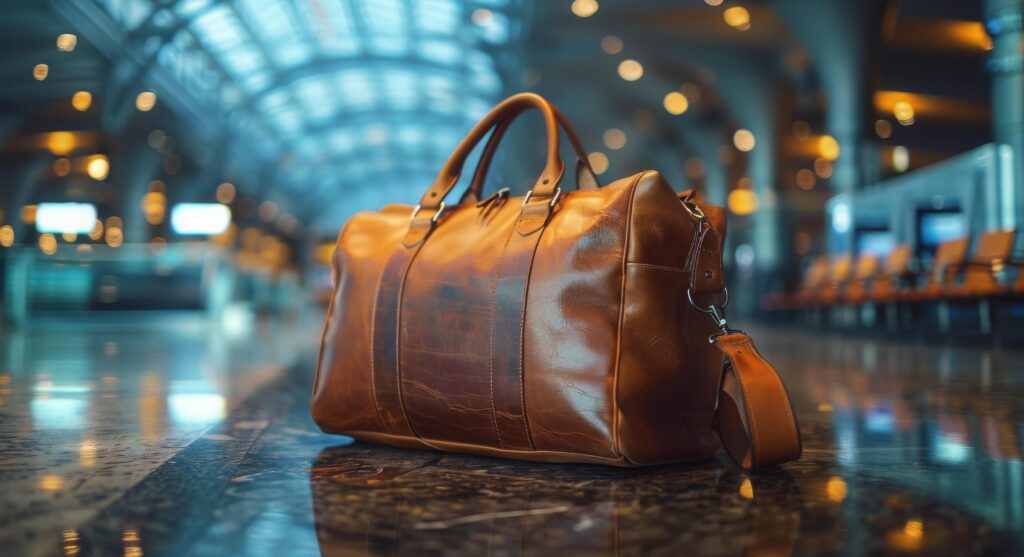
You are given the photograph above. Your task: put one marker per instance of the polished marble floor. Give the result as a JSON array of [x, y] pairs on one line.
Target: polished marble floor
[[176, 438]]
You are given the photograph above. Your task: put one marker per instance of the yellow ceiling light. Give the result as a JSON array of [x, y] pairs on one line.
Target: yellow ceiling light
[[611, 44], [676, 103], [145, 101], [81, 100], [904, 113], [737, 17], [744, 140], [614, 139], [828, 147], [805, 179], [98, 167], [154, 206], [742, 201], [66, 42], [28, 214], [900, 158], [97, 230], [114, 237], [60, 143], [584, 8], [883, 129], [40, 71], [713, 2], [6, 236], [823, 167], [226, 193], [598, 161], [48, 244], [630, 70]]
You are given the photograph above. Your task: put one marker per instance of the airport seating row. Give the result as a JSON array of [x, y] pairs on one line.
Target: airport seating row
[[952, 275]]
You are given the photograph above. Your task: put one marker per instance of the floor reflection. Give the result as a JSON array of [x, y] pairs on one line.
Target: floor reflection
[[90, 407], [156, 449], [369, 500]]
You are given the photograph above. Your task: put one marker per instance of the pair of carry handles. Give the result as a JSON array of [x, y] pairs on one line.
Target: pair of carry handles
[[754, 418], [499, 119]]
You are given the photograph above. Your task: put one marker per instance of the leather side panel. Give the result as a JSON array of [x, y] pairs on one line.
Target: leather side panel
[[343, 397], [668, 372], [571, 322], [447, 312]]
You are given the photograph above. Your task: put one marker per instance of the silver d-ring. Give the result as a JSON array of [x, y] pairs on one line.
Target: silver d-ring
[[433, 219], [554, 198], [437, 215], [725, 302]]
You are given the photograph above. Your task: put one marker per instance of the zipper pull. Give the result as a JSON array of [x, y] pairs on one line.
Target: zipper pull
[[496, 196]]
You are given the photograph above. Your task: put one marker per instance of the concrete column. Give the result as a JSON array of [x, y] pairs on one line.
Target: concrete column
[[752, 97], [705, 139], [1003, 22], [839, 35], [132, 167]]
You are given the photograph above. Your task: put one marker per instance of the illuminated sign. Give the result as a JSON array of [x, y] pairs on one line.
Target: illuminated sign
[[65, 218], [207, 219]]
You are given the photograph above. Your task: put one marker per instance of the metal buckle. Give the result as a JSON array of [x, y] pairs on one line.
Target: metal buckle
[[694, 210], [554, 198], [716, 313], [433, 219]]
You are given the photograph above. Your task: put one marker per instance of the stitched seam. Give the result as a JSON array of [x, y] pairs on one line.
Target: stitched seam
[[490, 359], [373, 351], [428, 442], [752, 415], [785, 396], [522, 338], [398, 333], [616, 422], [654, 266]]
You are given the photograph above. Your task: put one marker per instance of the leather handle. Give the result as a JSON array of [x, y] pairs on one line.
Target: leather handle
[[755, 420], [476, 187], [509, 109]]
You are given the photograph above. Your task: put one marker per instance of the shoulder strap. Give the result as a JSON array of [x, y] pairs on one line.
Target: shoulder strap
[[755, 421]]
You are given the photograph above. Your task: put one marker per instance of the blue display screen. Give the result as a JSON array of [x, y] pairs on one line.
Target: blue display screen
[[937, 228], [875, 242]]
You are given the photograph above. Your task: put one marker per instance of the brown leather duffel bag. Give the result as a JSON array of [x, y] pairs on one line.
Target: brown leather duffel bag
[[564, 326]]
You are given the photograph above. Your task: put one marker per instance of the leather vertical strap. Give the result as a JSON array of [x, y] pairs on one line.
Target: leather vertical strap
[[755, 420], [385, 338], [511, 284]]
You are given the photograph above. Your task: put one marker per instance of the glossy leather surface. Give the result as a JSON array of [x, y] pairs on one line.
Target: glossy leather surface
[[456, 377], [555, 327]]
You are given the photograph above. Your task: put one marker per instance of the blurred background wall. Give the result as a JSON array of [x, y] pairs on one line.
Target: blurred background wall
[[202, 155]]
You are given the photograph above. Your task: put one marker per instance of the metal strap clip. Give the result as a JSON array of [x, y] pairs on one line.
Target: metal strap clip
[[433, 219], [554, 198]]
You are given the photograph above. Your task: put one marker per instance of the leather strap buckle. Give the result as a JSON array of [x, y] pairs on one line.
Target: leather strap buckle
[[433, 219], [554, 198]]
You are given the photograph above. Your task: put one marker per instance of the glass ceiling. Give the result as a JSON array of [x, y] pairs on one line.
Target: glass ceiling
[[363, 85]]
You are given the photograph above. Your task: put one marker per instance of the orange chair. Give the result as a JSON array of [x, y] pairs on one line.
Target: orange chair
[[815, 276], [949, 257], [980, 280], [865, 274], [888, 287], [838, 275]]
